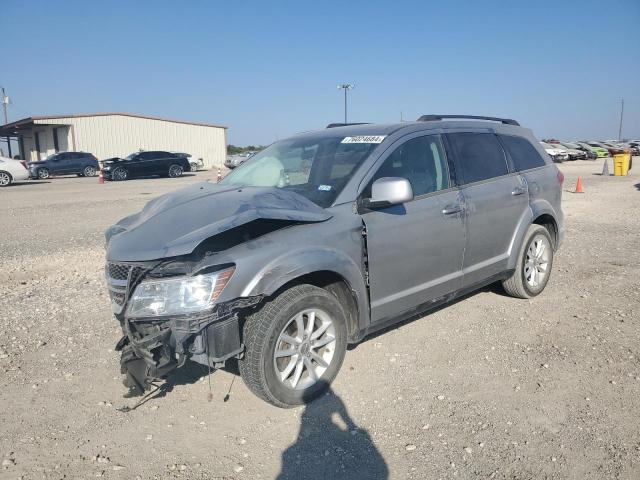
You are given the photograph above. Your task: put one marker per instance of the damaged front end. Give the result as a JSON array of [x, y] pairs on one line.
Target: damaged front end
[[167, 267], [168, 315]]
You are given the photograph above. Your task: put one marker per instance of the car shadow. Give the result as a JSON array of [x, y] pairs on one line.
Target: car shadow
[[421, 313], [24, 184], [330, 445]]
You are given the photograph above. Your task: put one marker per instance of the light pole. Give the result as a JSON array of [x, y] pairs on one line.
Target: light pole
[[345, 87], [621, 116]]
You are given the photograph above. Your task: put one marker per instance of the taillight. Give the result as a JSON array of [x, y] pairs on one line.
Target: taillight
[[560, 177], [24, 164]]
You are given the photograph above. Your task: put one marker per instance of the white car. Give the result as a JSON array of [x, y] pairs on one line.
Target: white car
[[558, 154], [11, 171]]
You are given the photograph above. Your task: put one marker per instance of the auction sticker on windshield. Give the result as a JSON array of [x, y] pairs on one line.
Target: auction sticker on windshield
[[364, 139]]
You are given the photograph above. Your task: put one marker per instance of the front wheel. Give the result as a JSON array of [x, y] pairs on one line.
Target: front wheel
[[120, 174], [194, 166], [43, 173], [295, 345], [533, 266]]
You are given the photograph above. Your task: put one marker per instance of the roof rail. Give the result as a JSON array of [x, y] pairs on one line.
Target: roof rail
[[334, 125], [433, 118]]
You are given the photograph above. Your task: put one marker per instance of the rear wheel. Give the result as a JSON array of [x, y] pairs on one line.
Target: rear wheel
[[194, 166], [533, 267], [120, 174], [43, 173], [89, 171], [175, 171], [295, 345], [5, 179]]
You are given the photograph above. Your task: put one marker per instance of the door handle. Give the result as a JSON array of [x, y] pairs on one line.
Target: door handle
[[451, 209], [519, 191]]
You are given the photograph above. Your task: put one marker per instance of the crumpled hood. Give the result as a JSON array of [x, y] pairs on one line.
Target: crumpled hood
[[176, 223]]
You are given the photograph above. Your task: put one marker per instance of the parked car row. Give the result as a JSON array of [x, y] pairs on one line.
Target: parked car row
[[234, 161], [588, 149], [83, 164]]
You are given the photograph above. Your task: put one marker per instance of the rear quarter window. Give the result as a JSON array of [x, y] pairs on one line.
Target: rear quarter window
[[479, 156], [522, 153]]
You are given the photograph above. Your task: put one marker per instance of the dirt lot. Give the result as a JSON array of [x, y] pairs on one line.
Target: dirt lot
[[489, 387]]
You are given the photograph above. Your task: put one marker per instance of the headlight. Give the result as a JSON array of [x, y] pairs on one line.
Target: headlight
[[177, 296]]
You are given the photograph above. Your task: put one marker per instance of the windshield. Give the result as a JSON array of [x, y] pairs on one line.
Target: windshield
[[132, 156], [317, 168]]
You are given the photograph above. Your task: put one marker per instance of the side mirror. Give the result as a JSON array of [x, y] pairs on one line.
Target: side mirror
[[388, 191]]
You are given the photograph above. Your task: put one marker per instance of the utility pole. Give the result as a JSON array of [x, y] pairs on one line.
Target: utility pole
[[621, 115], [5, 103], [345, 87]]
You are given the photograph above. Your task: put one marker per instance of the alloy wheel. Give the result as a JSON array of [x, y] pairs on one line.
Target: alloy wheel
[[536, 262], [119, 174], [43, 173], [305, 349], [5, 179], [175, 171], [89, 171]]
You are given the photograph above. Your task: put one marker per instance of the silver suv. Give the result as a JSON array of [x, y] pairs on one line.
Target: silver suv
[[325, 237]]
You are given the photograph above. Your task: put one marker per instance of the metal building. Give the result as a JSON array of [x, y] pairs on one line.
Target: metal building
[[108, 135]]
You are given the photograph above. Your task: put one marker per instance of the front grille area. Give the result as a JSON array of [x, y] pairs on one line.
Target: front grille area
[[118, 271]]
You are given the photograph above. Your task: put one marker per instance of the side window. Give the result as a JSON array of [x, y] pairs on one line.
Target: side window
[[479, 155], [420, 160], [523, 154], [147, 155]]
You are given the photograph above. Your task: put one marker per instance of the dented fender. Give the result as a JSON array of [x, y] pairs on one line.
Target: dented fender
[[290, 266]]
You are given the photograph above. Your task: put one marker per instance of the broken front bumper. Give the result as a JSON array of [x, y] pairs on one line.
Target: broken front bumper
[[153, 347]]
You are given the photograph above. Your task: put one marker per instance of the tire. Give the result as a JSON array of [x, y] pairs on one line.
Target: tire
[[120, 174], [194, 167], [533, 266], [175, 171], [263, 331], [43, 173], [5, 179], [89, 171]]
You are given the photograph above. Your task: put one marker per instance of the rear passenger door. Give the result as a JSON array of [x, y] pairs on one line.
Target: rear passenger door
[[73, 162], [496, 201]]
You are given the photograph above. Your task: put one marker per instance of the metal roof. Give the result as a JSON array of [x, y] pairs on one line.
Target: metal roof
[[12, 127]]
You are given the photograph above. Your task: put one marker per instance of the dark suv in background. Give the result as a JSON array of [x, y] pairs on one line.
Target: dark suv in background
[[65, 163], [146, 164]]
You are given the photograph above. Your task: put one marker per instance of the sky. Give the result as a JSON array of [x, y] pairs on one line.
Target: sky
[[268, 70]]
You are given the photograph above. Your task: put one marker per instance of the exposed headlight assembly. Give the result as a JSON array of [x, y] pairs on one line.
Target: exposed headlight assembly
[[178, 296]]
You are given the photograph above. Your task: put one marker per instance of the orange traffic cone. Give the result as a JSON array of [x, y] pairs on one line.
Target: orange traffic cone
[[100, 177], [579, 186], [219, 175]]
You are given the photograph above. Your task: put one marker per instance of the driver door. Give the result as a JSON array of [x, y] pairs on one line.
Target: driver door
[[415, 250]]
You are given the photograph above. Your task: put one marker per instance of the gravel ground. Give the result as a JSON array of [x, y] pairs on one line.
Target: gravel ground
[[488, 387]]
